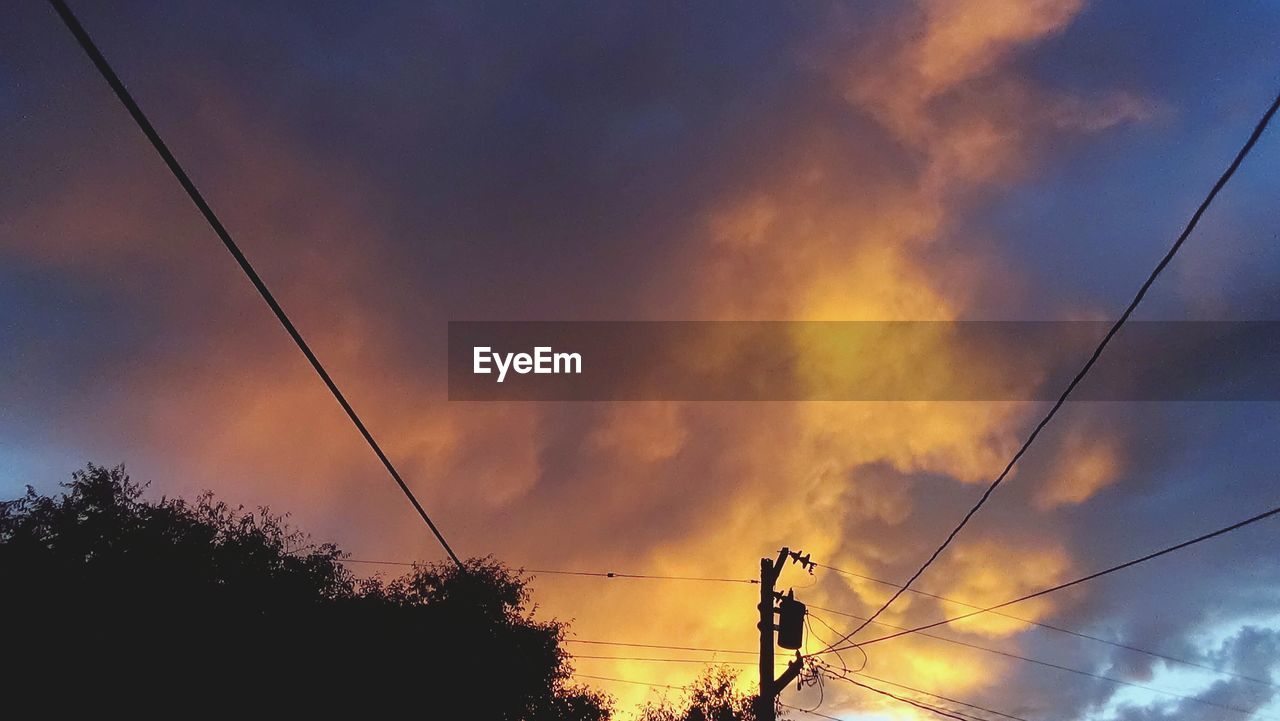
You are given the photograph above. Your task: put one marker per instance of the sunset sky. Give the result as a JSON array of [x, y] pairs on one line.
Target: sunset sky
[[389, 168]]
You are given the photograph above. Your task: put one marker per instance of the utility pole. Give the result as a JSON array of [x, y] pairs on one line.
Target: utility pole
[[770, 687]]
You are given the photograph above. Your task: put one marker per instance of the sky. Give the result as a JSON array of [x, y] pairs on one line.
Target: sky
[[391, 167]]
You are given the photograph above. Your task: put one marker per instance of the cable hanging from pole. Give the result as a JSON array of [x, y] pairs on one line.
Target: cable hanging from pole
[[1040, 624], [1083, 579], [1093, 359], [126, 98]]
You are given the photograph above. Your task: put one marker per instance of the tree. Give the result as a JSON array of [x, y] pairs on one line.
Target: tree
[[713, 696], [126, 600]]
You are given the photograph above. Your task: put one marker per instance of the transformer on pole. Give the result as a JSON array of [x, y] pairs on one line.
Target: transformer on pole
[[790, 628]]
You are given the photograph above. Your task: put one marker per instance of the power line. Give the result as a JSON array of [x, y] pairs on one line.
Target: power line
[[920, 631], [704, 649], [904, 631], [939, 696], [610, 574], [704, 661], [903, 699], [796, 708], [811, 712], [1097, 353], [659, 646], [812, 607], [378, 563], [594, 574], [829, 648], [821, 620], [1049, 664], [1041, 624], [686, 688], [786, 706], [831, 673], [149, 131], [575, 674], [966, 644], [1119, 567], [104, 68], [642, 576]]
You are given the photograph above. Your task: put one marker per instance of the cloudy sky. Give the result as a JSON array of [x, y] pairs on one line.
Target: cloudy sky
[[391, 168]]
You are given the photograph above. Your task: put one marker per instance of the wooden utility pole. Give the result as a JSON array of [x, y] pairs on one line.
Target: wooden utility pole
[[770, 687]]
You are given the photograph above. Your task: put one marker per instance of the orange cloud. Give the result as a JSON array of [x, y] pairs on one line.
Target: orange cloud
[[833, 227], [986, 573], [1086, 465]]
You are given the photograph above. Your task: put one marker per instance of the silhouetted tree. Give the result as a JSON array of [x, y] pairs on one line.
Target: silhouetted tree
[[115, 598], [713, 696]]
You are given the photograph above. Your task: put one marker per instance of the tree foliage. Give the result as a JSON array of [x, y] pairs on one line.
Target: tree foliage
[[713, 696], [108, 592]]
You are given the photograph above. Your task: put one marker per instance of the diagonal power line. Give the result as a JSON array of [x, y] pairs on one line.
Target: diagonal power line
[[979, 647], [867, 676], [1049, 626], [1083, 579], [815, 713], [938, 696], [945, 713], [1059, 667], [839, 675], [858, 672], [140, 118], [1093, 359]]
